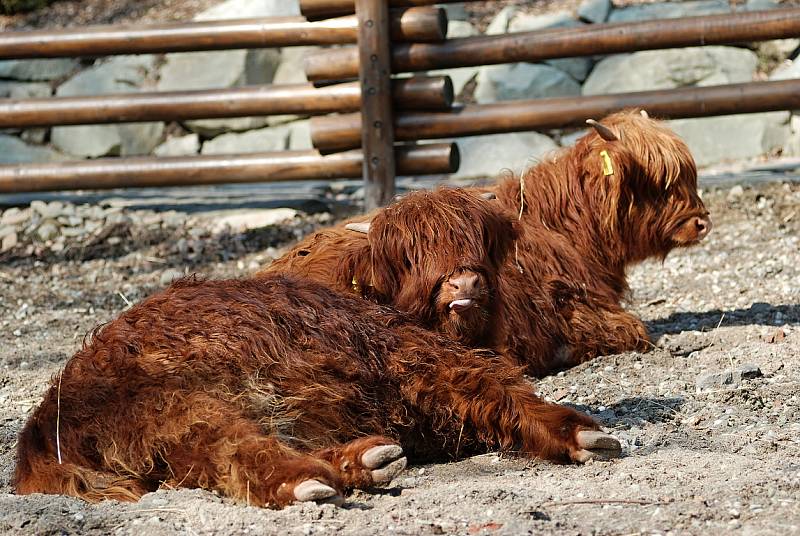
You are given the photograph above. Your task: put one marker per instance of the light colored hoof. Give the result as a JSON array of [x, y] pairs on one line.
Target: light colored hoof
[[386, 462], [314, 490], [597, 445]]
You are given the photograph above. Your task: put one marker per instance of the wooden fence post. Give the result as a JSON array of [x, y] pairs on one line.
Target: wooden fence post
[[377, 129]]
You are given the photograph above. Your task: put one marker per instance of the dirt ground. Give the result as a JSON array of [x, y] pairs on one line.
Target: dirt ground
[[707, 460]]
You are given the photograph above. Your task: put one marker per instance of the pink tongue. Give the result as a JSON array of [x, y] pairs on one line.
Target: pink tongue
[[461, 305]]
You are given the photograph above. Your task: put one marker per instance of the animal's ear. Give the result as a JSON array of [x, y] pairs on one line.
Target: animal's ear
[[602, 130], [644, 114]]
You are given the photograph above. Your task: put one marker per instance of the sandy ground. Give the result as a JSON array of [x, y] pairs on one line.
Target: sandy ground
[[696, 461]]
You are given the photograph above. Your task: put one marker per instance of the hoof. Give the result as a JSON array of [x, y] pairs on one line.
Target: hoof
[[314, 490], [596, 445], [385, 463]]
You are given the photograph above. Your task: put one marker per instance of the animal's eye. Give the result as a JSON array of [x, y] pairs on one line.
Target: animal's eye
[[303, 253], [406, 262]]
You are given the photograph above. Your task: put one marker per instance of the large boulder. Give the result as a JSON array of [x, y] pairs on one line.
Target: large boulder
[[227, 68], [729, 138], [37, 70], [255, 141], [594, 11], [15, 151], [121, 74], [577, 68], [671, 68], [513, 152], [669, 10], [521, 81], [179, 146]]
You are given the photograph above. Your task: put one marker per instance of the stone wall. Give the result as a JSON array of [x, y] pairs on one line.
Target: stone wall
[[714, 140]]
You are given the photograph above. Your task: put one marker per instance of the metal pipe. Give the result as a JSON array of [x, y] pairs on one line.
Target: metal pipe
[[420, 93], [322, 9], [140, 172], [419, 24], [588, 40], [344, 131]]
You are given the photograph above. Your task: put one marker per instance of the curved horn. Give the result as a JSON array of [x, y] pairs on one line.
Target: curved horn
[[644, 114], [360, 227], [602, 130], [488, 195]]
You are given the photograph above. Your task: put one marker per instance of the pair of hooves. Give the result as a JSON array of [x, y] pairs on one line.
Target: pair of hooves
[[596, 445], [385, 462]]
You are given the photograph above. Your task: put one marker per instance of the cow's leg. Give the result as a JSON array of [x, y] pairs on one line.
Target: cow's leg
[[491, 397], [365, 462], [603, 329], [201, 441]]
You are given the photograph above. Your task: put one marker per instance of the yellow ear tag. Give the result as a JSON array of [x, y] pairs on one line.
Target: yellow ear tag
[[608, 169], [355, 285]]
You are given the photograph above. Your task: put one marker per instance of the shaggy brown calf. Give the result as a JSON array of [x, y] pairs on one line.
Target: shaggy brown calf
[[434, 255], [274, 390], [623, 193]]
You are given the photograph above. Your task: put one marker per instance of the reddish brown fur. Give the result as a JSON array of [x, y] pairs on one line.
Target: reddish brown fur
[[415, 250], [558, 296], [248, 387]]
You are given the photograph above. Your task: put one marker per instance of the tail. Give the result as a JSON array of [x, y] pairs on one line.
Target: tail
[[39, 470]]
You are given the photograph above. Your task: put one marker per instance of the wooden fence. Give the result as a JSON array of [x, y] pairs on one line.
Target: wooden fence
[[381, 40]]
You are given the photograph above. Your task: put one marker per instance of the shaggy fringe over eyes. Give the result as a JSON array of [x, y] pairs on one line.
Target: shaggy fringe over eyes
[[428, 235]]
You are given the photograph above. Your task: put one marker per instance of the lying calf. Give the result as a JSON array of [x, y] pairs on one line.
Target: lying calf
[[625, 192], [274, 390]]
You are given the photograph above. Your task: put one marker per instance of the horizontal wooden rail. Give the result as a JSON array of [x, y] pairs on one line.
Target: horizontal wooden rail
[[140, 172], [418, 93], [321, 9], [588, 40], [413, 24], [344, 132]]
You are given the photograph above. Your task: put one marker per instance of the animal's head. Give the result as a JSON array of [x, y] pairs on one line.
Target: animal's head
[[436, 254], [645, 179]]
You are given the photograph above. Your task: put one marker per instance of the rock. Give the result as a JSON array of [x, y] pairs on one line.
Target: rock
[[748, 371], [669, 10], [671, 68], [460, 28], [460, 76], [508, 151], [735, 193], [227, 68], [9, 242], [786, 70], [594, 11], [756, 134], [756, 5], [499, 24], [47, 231], [179, 146], [456, 13], [24, 90], [48, 211], [15, 151], [777, 49], [792, 145], [523, 80], [15, 216], [253, 219], [300, 136], [122, 74], [37, 70], [254, 141], [727, 377], [577, 68]]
